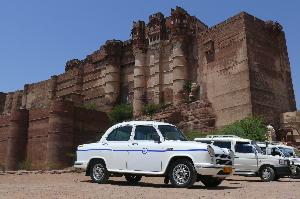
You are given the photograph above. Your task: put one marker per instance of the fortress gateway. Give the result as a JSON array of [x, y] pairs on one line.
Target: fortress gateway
[[238, 68]]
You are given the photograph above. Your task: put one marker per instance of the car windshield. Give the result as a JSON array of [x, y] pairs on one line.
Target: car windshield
[[288, 152], [171, 133]]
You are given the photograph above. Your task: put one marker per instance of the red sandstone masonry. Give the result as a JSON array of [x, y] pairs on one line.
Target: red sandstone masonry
[[4, 128], [37, 137], [17, 139], [225, 76]]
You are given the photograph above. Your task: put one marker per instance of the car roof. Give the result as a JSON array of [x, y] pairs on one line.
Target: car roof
[[138, 122], [223, 139]]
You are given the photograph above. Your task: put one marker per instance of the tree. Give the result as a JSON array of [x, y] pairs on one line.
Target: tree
[[121, 113], [252, 128]]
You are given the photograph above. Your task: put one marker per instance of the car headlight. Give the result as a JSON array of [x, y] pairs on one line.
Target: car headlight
[[211, 151]]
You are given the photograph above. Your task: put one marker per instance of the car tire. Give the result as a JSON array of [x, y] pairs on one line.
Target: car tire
[[182, 173], [98, 172], [133, 179], [267, 174], [210, 181]]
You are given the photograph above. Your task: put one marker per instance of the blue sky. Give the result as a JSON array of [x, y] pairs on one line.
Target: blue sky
[[38, 37]]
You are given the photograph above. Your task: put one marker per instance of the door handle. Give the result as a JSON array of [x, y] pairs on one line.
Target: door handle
[[236, 157], [135, 143], [104, 144]]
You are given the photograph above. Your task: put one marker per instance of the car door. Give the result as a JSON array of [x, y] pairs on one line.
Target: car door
[[245, 157], [145, 153], [118, 142]]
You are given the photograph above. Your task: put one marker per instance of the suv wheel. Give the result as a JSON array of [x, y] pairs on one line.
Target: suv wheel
[[98, 172], [182, 173], [133, 179], [210, 181], [267, 174]]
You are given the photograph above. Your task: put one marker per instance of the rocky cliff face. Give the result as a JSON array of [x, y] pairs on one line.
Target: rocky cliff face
[[196, 115]]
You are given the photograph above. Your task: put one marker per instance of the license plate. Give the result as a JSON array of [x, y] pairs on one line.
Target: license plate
[[227, 169]]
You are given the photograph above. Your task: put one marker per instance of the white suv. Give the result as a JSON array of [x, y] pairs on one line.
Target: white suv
[[147, 148], [248, 158], [282, 150]]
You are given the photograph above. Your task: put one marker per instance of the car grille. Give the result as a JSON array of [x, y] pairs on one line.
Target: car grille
[[222, 159]]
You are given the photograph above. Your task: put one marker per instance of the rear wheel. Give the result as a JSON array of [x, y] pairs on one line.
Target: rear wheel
[[133, 179], [267, 174], [182, 173], [98, 172], [209, 181]]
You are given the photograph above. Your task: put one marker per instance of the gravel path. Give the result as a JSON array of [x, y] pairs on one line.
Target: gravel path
[[76, 185]]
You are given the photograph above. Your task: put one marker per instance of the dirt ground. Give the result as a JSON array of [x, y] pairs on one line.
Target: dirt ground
[[76, 185]]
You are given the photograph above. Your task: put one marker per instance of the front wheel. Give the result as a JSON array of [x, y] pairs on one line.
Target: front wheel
[[182, 173], [210, 181], [133, 179], [98, 172], [267, 174]]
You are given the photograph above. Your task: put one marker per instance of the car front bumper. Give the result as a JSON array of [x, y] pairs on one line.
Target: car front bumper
[[220, 171], [283, 170]]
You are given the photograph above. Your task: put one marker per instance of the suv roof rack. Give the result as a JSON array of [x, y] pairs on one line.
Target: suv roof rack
[[222, 136]]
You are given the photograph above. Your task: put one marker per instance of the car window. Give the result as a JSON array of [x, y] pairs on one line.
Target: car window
[[243, 147], [171, 133], [264, 150], [222, 144], [145, 133], [120, 134]]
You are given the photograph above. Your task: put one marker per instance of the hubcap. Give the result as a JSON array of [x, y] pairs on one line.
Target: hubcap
[[181, 174], [98, 171], [266, 174]]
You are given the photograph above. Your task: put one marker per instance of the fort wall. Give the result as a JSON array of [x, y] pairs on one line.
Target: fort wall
[[270, 74], [48, 137], [223, 70]]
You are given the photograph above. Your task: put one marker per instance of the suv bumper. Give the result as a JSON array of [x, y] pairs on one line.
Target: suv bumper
[[283, 171], [220, 171]]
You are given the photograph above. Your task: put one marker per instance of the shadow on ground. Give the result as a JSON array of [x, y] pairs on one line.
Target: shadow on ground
[[169, 186], [258, 180]]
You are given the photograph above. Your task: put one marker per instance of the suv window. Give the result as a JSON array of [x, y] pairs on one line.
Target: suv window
[[221, 144], [120, 134], [243, 147], [145, 133]]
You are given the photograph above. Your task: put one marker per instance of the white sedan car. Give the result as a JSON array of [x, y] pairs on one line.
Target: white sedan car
[[148, 148]]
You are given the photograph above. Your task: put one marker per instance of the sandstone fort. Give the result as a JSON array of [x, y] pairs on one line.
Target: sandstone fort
[[237, 68]]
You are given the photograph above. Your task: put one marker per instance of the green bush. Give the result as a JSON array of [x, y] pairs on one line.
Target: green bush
[[121, 113], [252, 128], [53, 166], [191, 135], [25, 165], [187, 87], [150, 109], [91, 106]]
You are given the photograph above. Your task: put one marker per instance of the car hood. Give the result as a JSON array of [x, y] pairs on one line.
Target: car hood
[[195, 145]]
